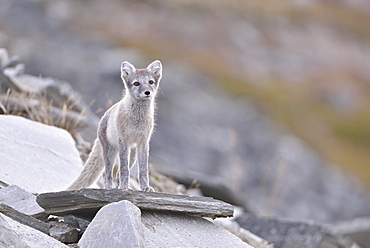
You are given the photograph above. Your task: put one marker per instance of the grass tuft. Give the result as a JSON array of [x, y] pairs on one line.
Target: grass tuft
[[38, 107]]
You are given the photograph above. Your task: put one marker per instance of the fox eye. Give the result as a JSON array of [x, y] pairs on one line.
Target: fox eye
[[136, 83], [151, 82]]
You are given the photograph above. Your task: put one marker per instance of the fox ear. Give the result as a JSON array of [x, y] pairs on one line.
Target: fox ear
[[126, 70], [156, 68]]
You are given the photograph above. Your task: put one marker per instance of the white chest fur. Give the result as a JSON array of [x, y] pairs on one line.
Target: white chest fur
[[131, 123]]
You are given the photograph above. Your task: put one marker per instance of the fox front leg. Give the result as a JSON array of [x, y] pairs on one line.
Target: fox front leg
[[124, 171], [143, 155]]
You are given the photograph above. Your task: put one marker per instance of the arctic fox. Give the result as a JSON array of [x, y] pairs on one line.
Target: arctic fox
[[125, 129]]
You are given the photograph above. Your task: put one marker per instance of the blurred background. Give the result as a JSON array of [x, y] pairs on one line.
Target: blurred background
[[264, 104]]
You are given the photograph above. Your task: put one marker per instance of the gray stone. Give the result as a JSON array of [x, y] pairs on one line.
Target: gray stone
[[7, 83], [63, 232], [65, 107], [244, 155], [2, 109], [202, 131], [24, 219], [357, 229], [77, 222], [121, 224], [20, 200], [245, 235], [293, 234], [30, 237], [115, 225], [60, 94], [7, 63], [41, 109], [8, 238], [3, 184], [36, 157], [58, 90], [65, 202], [164, 229]]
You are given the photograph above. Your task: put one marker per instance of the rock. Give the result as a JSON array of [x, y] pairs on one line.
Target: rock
[[161, 183], [115, 225], [245, 235], [76, 222], [24, 218], [63, 232], [84, 200], [8, 238], [357, 229], [203, 132], [165, 229], [7, 64], [63, 98], [38, 108], [59, 231], [7, 83], [58, 90], [121, 224], [3, 184], [240, 155], [2, 109], [20, 200], [36, 157], [30, 237], [46, 99], [293, 234]]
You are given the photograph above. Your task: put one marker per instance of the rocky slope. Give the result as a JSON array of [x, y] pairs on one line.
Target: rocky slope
[[49, 161], [205, 133], [41, 166], [96, 217]]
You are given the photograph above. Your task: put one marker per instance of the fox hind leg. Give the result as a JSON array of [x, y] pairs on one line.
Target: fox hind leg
[[109, 154]]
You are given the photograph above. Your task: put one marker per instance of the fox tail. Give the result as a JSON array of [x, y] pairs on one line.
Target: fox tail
[[92, 169]]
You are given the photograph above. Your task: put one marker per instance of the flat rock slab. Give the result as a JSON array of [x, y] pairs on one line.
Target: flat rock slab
[[164, 229], [20, 200], [36, 157], [85, 200], [8, 238], [122, 224], [357, 229], [63, 232], [26, 237], [292, 234], [24, 218]]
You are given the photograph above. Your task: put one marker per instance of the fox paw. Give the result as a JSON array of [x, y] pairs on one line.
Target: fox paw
[[148, 189]]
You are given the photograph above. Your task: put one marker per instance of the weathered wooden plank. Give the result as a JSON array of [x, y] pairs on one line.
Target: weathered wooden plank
[[66, 202]]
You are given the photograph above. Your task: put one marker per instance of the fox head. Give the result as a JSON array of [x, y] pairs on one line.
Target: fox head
[[141, 84]]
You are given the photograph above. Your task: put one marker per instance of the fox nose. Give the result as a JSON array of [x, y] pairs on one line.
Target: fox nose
[[147, 93]]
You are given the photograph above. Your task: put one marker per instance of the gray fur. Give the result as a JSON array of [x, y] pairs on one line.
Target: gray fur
[[125, 129], [92, 169]]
